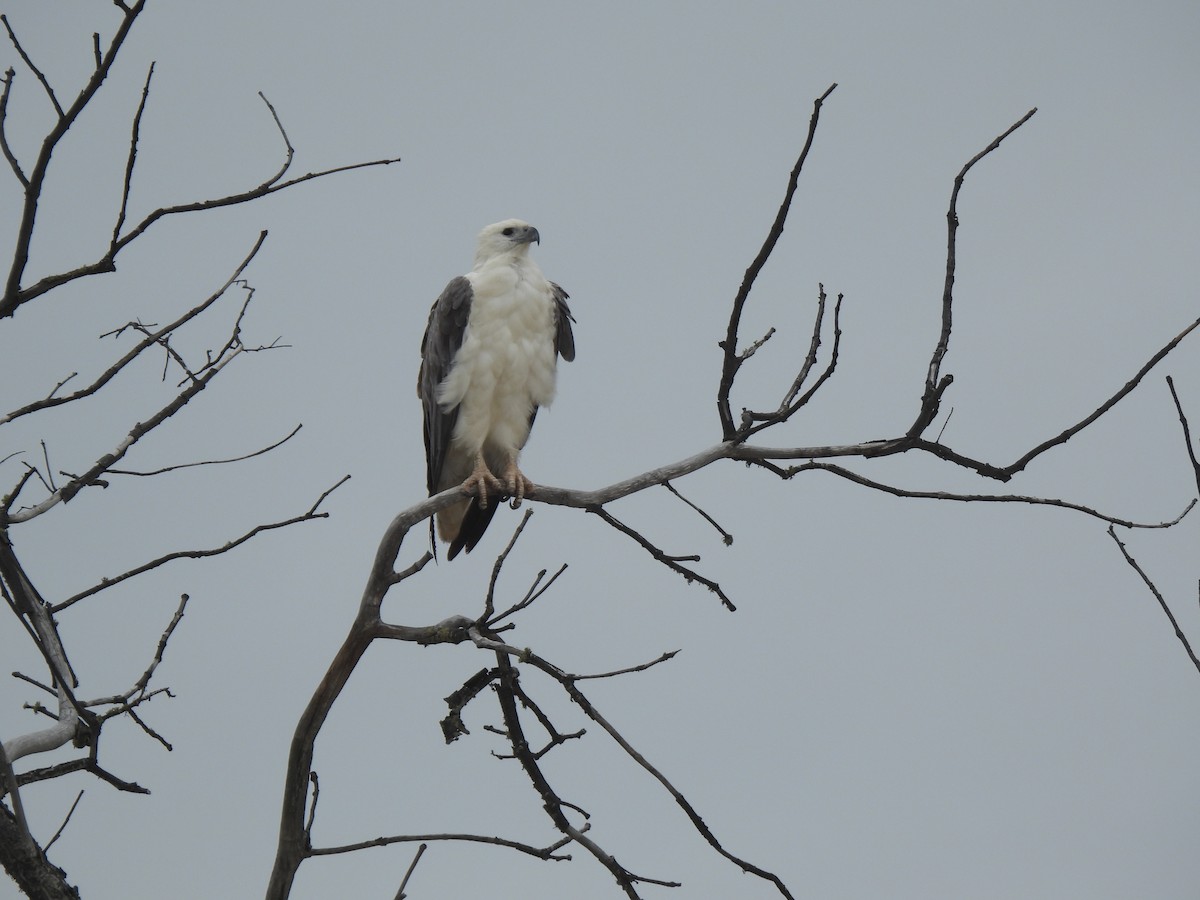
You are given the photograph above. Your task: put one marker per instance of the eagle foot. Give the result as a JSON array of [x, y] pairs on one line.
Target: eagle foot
[[516, 484], [478, 482]]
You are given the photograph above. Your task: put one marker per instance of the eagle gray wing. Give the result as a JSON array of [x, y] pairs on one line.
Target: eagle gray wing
[[443, 336], [564, 337]]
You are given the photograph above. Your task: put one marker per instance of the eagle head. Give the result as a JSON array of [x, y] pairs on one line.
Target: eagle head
[[510, 236]]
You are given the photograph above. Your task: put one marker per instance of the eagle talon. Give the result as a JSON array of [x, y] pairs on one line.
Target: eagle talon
[[479, 480], [516, 484]]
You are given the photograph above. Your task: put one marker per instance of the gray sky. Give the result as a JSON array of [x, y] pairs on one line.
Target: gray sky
[[914, 700]]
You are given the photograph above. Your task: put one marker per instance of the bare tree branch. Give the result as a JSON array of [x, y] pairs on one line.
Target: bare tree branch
[[62, 827], [849, 475], [549, 852], [1157, 596], [34, 875], [726, 537], [732, 360], [106, 583], [214, 462], [38, 73], [1108, 404], [5, 148], [642, 667], [1187, 432], [489, 600], [149, 340], [131, 159], [671, 562], [400, 895], [13, 296], [550, 799], [935, 384], [536, 590]]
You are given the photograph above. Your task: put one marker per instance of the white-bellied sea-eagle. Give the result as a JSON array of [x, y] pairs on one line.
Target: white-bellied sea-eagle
[[488, 362]]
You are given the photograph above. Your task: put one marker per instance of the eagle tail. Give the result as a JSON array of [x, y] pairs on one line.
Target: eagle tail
[[474, 522]]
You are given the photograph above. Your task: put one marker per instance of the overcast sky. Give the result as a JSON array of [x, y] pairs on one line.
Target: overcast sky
[[913, 700]]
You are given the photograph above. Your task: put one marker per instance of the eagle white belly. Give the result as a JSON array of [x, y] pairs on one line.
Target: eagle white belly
[[506, 365]]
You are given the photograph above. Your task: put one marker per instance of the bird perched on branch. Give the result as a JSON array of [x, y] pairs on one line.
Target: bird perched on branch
[[489, 360]]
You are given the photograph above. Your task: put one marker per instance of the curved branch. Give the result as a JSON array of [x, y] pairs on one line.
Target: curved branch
[[935, 384], [13, 296], [212, 462], [539, 852], [1112, 533], [983, 498], [568, 684], [106, 583], [149, 340], [732, 361]]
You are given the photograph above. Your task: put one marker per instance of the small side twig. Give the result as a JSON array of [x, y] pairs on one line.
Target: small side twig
[[490, 600], [674, 563], [131, 159], [531, 595], [725, 535], [935, 383], [312, 807], [62, 827], [732, 360], [1187, 432], [106, 583], [38, 73], [641, 667], [400, 895], [862, 480], [5, 147], [528, 849], [1112, 533], [212, 462]]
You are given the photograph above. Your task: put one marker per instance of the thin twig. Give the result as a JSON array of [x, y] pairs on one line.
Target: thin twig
[[131, 159], [725, 535], [13, 296], [41, 77], [753, 348], [698, 823], [1187, 432], [551, 802], [13, 162], [312, 807], [642, 667], [671, 562], [1157, 596], [400, 895], [211, 462], [1108, 404], [412, 570], [490, 599], [70, 812], [982, 498], [530, 597], [149, 340], [106, 583], [732, 361], [935, 384], [539, 852]]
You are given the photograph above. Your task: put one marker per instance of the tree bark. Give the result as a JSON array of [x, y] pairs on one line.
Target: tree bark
[[36, 877]]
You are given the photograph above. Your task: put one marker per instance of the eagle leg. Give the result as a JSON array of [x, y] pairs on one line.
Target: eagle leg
[[516, 484], [480, 479]]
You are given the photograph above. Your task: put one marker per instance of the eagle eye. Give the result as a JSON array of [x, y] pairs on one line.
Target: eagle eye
[[508, 232]]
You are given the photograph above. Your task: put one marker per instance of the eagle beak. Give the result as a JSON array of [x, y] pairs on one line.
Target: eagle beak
[[532, 236]]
